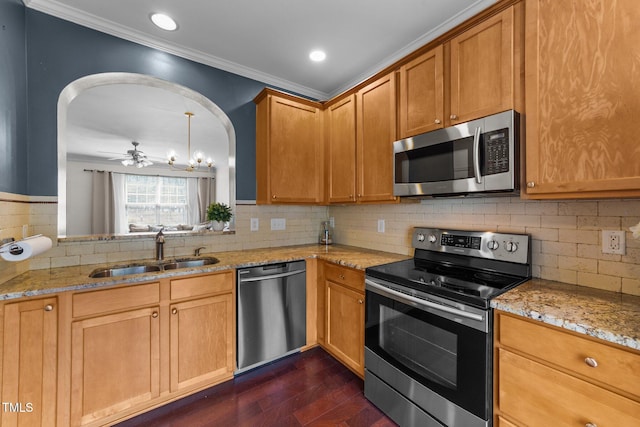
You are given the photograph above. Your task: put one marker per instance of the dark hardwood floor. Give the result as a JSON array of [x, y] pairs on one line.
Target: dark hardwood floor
[[306, 389]]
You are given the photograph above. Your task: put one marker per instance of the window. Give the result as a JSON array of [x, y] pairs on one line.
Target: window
[[156, 200]]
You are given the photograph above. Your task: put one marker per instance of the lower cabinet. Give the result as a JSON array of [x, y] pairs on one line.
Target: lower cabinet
[[344, 313], [29, 362], [138, 346], [548, 376]]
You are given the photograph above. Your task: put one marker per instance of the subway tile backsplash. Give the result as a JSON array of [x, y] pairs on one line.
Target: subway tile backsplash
[[566, 235]]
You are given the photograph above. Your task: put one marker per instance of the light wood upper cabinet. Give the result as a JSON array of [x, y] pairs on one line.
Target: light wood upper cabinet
[[582, 86], [421, 92], [483, 66], [376, 132], [289, 149], [29, 362], [341, 150]]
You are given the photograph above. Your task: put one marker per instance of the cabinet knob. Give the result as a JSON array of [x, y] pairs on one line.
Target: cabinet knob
[[591, 362], [359, 195], [174, 311], [531, 184], [453, 117], [48, 307], [154, 314], [273, 197], [590, 425], [360, 301], [341, 276], [437, 121]]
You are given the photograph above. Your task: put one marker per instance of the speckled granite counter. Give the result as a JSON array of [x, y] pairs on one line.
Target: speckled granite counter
[[610, 316], [42, 282]]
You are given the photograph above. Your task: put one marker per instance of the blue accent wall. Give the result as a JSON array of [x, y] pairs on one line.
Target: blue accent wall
[[13, 96], [59, 52]]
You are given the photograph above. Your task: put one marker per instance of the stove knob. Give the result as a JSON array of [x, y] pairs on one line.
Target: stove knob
[[432, 238], [493, 245], [420, 237], [511, 246]]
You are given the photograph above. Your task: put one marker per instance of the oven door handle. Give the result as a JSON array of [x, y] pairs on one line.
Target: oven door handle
[[422, 302], [476, 154]]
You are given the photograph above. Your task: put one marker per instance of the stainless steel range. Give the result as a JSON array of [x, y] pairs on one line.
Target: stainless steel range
[[428, 338]]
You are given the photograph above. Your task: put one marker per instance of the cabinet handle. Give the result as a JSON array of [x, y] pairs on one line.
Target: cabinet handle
[[48, 307], [590, 425], [174, 311], [591, 362], [360, 301], [453, 117], [437, 121], [531, 184], [154, 314]]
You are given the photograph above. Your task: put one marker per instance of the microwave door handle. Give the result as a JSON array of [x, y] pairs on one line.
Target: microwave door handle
[[476, 154]]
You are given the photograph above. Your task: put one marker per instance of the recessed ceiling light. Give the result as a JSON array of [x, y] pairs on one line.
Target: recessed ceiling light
[[317, 55], [164, 21]]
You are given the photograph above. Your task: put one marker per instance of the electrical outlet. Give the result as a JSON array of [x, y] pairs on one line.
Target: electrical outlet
[[332, 222], [278, 223], [613, 242], [381, 226], [255, 224]]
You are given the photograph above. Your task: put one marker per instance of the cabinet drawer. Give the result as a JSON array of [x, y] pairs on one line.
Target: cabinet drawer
[[537, 395], [345, 276], [96, 302], [202, 285], [615, 367]]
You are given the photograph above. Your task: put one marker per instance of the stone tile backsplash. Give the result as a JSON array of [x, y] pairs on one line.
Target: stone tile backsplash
[[566, 234]]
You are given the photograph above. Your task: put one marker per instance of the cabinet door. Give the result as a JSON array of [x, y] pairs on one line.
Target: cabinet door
[[202, 344], [582, 86], [422, 94], [376, 131], [114, 363], [345, 325], [482, 69], [341, 147], [29, 363], [294, 170]]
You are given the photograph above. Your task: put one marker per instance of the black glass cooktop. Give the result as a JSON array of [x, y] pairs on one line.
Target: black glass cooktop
[[463, 284]]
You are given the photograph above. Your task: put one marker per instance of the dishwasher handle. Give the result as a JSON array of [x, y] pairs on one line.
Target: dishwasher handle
[[271, 276]]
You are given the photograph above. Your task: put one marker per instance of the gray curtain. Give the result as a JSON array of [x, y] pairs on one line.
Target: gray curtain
[[206, 195], [102, 214]]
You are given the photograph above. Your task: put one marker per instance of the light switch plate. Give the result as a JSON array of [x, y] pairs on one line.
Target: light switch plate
[[255, 224], [381, 226]]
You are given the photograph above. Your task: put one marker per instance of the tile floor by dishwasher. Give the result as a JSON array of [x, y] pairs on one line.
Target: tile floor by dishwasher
[[305, 389]]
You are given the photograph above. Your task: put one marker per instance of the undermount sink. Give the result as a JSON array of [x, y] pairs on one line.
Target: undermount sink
[[189, 262], [174, 264], [124, 270]]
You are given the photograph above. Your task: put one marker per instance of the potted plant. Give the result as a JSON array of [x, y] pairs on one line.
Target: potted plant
[[218, 214]]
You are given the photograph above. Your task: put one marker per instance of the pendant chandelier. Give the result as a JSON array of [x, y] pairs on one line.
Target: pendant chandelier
[[197, 159]]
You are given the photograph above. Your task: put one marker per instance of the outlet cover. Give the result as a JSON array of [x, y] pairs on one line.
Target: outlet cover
[[332, 222], [381, 226], [613, 242], [255, 224], [278, 223]]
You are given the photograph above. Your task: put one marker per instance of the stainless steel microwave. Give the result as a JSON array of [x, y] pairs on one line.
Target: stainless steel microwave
[[476, 157]]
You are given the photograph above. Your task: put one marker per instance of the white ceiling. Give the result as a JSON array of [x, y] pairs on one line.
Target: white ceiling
[[269, 40]]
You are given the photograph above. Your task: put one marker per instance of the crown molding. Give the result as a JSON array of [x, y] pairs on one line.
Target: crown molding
[[54, 8]]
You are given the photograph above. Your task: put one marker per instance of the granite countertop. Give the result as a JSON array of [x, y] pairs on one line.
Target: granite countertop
[[610, 316], [54, 280]]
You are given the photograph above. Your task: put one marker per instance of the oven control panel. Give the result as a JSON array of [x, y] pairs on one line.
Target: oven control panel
[[482, 244]]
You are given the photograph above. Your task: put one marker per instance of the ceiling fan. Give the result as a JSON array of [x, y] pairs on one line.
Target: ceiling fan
[[134, 157]]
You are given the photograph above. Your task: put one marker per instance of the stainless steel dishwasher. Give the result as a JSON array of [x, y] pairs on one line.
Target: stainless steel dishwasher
[[272, 307]]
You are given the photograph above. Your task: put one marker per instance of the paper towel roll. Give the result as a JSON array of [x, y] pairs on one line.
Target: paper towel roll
[[31, 246]]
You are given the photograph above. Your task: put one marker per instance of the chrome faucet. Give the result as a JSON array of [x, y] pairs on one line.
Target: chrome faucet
[[197, 251], [160, 245]]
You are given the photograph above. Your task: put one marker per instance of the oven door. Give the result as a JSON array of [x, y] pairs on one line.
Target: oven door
[[439, 346]]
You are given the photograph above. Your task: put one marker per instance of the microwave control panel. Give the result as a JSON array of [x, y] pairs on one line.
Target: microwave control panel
[[496, 151]]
